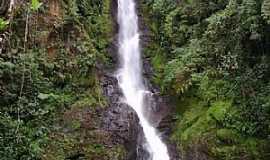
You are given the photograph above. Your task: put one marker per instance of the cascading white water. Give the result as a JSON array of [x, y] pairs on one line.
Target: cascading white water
[[130, 75]]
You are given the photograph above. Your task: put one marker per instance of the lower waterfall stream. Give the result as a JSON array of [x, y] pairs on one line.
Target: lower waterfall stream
[[130, 77]]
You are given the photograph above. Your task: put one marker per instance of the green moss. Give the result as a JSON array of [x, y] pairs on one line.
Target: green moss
[[84, 81], [65, 146], [238, 147], [87, 101], [199, 125]]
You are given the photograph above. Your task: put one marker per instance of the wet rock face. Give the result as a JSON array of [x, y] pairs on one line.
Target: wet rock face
[[159, 109], [122, 121], [119, 119], [159, 113]]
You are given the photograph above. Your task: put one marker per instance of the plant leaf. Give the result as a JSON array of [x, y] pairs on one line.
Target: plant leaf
[[35, 5]]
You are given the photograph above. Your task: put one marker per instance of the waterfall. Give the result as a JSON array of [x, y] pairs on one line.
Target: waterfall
[[129, 75]]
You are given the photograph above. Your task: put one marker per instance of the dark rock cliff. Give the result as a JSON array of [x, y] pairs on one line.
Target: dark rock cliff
[[121, 119]]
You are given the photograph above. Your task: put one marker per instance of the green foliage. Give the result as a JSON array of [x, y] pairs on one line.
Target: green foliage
[[35, 5], [218, 110], [3, 24], [217, 53], [29, 101], [95, 18], [201, 125], [38, 84], [228, 135]]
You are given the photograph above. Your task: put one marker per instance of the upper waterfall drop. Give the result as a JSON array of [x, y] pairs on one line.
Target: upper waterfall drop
[[130, 75]]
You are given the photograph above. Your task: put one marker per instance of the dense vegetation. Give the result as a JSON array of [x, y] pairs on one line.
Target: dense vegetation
[[212, 56], [50, 54]]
